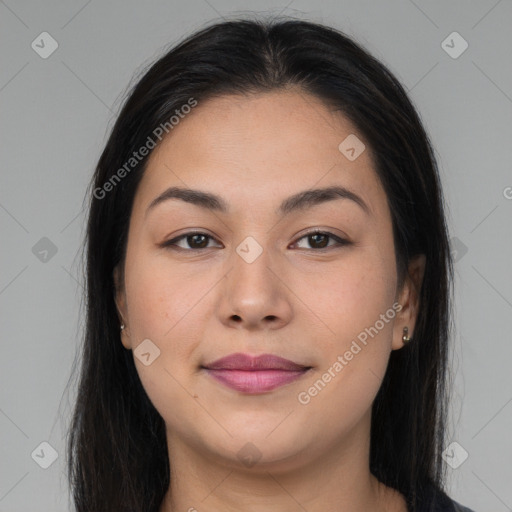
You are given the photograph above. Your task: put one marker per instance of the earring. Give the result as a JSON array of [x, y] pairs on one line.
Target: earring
[[122, 327], [405, 338]]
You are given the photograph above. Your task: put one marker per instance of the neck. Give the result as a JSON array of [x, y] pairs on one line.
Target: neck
[[337, 479]]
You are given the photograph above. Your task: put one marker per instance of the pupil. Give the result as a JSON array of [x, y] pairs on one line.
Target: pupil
[[321, 236], [196, 236]]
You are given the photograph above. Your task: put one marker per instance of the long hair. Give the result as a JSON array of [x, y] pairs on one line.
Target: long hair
[[117, 457]]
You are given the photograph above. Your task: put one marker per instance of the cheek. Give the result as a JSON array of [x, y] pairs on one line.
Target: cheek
[[148, 304], [357, 348], [351, 295], [161, 309], [159, 297]]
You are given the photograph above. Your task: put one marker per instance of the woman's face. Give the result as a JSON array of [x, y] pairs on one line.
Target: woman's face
[[253, 282]]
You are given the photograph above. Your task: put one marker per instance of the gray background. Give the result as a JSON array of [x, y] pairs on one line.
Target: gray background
[[56, 113]]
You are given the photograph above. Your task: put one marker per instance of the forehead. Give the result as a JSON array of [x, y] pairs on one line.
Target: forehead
[[260, 148]]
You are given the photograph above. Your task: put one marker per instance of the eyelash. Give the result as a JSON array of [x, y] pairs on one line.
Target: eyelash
[[340, 241]]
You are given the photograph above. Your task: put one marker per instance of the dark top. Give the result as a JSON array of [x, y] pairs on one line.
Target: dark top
[[438, 501], [459, 508]]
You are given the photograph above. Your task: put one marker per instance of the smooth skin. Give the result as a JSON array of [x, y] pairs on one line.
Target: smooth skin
[[304, 299]]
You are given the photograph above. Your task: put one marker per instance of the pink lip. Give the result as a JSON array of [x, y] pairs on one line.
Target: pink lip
[[250, 374]]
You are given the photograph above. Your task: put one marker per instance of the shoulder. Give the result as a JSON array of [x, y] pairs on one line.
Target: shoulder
[[457, 507], [437, 500]]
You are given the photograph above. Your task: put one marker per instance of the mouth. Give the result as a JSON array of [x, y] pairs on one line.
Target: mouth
[[254, 375]]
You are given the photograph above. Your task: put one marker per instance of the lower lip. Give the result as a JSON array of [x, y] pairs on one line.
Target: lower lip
[[255, 381]]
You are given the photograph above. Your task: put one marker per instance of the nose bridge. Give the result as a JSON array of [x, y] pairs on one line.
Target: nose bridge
[[250, 264], [254, 295]]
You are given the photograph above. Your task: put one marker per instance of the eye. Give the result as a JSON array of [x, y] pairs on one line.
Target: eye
[[195, 240], [319, 240]]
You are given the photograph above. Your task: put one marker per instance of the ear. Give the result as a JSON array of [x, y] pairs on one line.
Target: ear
[[409, 298], [120, 300]]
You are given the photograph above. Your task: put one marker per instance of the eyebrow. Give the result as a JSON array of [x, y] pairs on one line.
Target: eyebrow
[[297, 202]]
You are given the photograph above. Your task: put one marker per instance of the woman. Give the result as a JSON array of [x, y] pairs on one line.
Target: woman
[[268, 286]]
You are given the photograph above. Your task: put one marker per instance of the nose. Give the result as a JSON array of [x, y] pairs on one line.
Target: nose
[[255, 295]]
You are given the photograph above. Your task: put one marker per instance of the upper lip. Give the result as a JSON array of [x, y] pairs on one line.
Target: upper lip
[[247, 362]]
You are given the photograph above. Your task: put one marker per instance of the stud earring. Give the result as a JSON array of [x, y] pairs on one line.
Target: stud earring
[[122, 327], [406, 338]]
